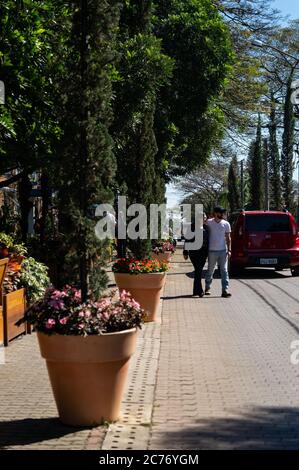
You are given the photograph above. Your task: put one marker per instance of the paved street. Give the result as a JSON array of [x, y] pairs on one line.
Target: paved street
[[216, 373], [225, 380]]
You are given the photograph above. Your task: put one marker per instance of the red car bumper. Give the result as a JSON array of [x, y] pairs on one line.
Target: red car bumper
[[283, 258]]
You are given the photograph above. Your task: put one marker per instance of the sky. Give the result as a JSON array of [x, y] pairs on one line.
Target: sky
[[287, 7]]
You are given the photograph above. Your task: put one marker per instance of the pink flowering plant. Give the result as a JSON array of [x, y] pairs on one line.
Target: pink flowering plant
[[162, 246], [62, 312]]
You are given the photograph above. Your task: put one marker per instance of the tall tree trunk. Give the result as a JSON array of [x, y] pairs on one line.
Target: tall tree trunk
[[233, 186], [287, 154], [256, 171], [274, 159], [266, 173]]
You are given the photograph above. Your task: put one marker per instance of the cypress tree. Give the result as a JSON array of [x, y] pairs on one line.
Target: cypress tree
[[256, 171], [86, 161], [233, 185], [248, 179], [287, 153], [143, 69], [274, 159], [266, 174]]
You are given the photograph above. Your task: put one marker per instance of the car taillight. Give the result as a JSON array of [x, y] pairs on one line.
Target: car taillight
[[294, 230]]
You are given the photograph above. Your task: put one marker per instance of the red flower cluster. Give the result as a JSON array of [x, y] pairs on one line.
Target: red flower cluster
[[134, 266]]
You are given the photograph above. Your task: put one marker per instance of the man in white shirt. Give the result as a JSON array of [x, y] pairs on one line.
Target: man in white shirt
[[219, 249]]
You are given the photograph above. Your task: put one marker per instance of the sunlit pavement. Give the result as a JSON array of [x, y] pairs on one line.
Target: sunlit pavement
[[225, 379]]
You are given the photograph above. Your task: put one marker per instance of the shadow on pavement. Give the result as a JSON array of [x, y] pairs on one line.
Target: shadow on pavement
[[260, 273], [261, 429], [203, 274], [175, 274], [251, 273], [171, 297], [28, 431]]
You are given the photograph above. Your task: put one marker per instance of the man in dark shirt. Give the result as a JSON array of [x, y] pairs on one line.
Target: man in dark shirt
[[198, 259]]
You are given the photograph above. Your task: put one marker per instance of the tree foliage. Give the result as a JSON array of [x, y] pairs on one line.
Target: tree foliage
[[256, 171], [173, 60], [188, 119], [234, 192], [28, 43], [143, 69], [287, 153], [86, 163]]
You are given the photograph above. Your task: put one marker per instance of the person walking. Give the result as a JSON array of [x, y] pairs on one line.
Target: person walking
[[219, 250], [198, 258], [121, 243]]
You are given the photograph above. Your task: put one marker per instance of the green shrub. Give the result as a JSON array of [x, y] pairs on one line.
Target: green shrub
[[34, 277], [6, 240]]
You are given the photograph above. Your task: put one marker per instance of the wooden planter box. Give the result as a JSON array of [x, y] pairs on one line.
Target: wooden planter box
[[12, 311]]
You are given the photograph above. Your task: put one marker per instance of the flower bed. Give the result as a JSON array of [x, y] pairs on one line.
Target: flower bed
[[133, 266], [163, 247], [62, 312]]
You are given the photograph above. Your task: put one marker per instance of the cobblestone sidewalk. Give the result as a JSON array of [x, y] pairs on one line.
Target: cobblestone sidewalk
[[28, 416]]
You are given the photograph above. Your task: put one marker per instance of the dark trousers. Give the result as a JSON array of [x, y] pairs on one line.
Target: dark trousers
[[121, 246], [198, 259]]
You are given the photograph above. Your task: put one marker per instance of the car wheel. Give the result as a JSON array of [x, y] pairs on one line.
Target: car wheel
[[295, 271]]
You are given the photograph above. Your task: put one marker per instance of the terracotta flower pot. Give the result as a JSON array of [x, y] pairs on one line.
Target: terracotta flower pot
[[88, 374], [145, 288], [165, 257]]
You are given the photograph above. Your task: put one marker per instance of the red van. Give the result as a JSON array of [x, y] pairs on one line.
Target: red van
[[265, 239]]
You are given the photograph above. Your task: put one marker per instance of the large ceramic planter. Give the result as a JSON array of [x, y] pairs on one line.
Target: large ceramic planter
[[164, 257], [88, 374], [145, 288]]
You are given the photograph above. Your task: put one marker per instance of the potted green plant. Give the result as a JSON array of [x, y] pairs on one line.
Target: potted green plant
[[18, 252], [6, 243], [87, 347], [31, 275], [163, 250], [144, 279], [34, 278], [23, 284], [8, 248]]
